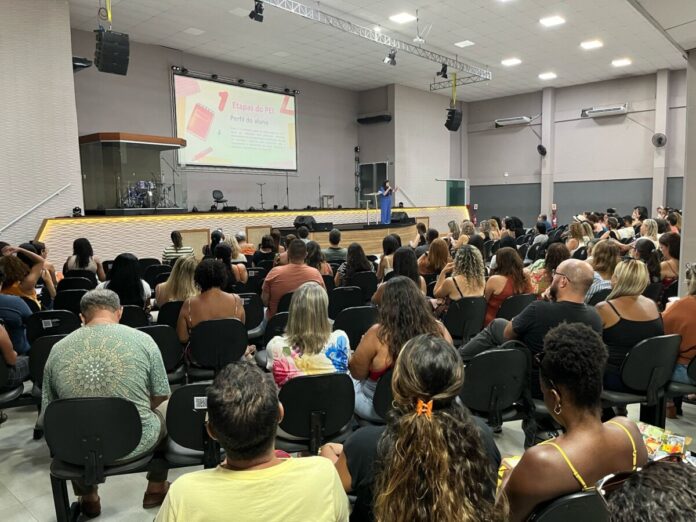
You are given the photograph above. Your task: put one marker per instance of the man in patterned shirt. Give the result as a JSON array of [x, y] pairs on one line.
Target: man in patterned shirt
[[107, 359]]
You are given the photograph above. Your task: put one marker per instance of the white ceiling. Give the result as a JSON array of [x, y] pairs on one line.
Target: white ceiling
[[677, 17], [287, 44]]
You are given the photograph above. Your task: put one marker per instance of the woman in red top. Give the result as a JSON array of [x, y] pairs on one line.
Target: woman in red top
[[509, 279]]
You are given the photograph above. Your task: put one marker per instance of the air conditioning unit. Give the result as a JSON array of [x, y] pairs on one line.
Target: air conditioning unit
[[517, 120], [600, 112]]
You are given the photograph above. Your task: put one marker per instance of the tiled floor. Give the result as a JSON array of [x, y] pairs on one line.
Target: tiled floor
[[25, 489]]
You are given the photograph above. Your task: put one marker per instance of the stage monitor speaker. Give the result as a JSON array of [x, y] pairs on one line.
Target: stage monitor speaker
[[112, 53], [399, 217], [307, 221], [323, 227], [454, 119]]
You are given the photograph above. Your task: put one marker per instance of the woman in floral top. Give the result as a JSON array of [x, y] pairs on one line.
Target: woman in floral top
[[541, 271], [309, 346]]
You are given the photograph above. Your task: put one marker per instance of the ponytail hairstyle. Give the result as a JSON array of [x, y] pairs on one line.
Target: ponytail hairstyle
[[646, 251], [431, 460]]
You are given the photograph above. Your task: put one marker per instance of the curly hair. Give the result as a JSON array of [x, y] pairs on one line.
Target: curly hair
[[445, 473], [574, 358], [576, 231], [650, 229], [468, 262], [509, 264], [15, 269], [404, 313], [210, 273], [468, 228], [605, 256]]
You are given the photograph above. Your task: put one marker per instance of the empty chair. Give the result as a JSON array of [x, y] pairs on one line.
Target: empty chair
[[214, 344], [355, 321], [75, 283], [51, 322], [344, 297], [146, 262], [576, 507], [87, 274], [317, 408], [171, 349], [69, 300], [284, 303], [253, 313], [514, 305], [153, 271], [218, 199], [367, 281], [464, 318], [134, 316], [599, 296], [169, 313]]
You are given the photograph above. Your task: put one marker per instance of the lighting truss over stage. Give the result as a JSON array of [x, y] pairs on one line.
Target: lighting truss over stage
[[447, 84], [468, 73]]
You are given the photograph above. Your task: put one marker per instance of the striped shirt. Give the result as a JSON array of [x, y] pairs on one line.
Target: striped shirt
[[171, 253]]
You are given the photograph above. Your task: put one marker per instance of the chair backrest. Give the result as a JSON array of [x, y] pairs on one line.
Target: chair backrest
[[383, 398], [599, 296], [317, 406], [92, 433], [533, 252], [266, 264], [81, 272], [107, 266], [51, 322], [464, 317], [218, 342], [145, 262], [522, 250], [495, 246], [691, 369], [284, 303], [344, 297], [580, 253], [582, 506], [161, 278], [487, 249], [355, 321], [256, 277], [69, 300], [38, 355], [169, 313], [671, 291], [654, 291], [33, 306], [494, 380], [253, 310], [649, 365], [134, 316], [367, 281], [75, 283], [329, 282], [335, 266], [275, 326], [218, 195], [153, 271], [514, 305], [168, 343], [4, 373]]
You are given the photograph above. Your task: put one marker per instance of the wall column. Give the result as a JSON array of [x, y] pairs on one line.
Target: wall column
[[688, 243], [548, 116], [659, 186]]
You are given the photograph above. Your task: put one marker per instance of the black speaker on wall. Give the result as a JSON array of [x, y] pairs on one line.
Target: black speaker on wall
[[112, 53], [454, 119]]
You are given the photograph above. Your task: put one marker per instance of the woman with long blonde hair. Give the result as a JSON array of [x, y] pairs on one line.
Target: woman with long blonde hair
[[237, 256], [464, 277], [180, 285], [494, 234], [576, 237], [648, 229]]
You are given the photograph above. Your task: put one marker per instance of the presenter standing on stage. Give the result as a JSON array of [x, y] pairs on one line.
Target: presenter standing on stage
[[386, 202]]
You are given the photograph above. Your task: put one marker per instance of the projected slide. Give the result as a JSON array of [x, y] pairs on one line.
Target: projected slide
[[229, 126]]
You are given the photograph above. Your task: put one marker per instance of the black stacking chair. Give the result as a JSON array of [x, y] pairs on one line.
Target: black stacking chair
[[218, 199], [75, 283], [647, 369], [582, 506], [33, 306], [329, 282], [654, 291], [51, 322], [284, 303], [189, 443], [134, 316], [161, 278], [153, 271], [344, 297], [355, 321], [335, 267], [87, 274], [253, 313], [580, 253], [214, 344], [430, 291], [256, 278], [275, 326], [494, 247], [169, 313], [671, 291], [514, 305], [8, 397], [464, 318], [171, 349], [145, 262], [318, 408], [522, 250], [382, 401], [266, 264], [599, 296], [108, 265], [678, 389], [69, 300], [367, 281], [533, 252], [86, 437]]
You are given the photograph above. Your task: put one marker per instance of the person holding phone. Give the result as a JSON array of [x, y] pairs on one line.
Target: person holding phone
[[386, 201]]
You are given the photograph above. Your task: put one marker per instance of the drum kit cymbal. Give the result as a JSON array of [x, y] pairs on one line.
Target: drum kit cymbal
[[148, 194]]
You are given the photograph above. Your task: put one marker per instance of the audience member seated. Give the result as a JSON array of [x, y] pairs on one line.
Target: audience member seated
[[648, 230], [626, 231], [674, 220], [540, 231], [48, 277], [356, 261], [308, 347], [335, 253], [288, 278], [404, 265], [236, 272], [507, 240], [14, 313], [639, 215], [216, 237], [612, 229], [49, 267], [464, 277], [253, 483], [645, 250], [435, 460], [404, 313], [282, 258], [246, 249], [468, 230], [570, 372], [315, 259], [20, 280], [494, 234], [435, 259], [266, 252], [45, 282], [124, 279], [278, 246], [212, 303], [237, 255], [627, 318], [107, 359], [17, 365], [605, 257], [543, 218], [509, 279], [679, 319], [430, 236], [514, 225], [180, 285], [541, 271], [386, 261], [83, 258], [577, 237], [670, 245], [176, 250], [454, 232], [303, 234], [485, 229], [419, 240]]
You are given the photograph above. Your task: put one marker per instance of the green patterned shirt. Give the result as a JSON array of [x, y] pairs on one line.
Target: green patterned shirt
[[109, 360]]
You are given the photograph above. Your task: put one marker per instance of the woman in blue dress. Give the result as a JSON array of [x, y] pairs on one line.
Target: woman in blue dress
[[386, 201]]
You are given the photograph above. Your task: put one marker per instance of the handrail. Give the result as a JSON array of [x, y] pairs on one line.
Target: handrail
[[32, 209], [402, 191]]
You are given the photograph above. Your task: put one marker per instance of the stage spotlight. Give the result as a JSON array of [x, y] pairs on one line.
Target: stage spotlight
[[295, 91], [214, 76], [264, 85], [443, 72], [390, 59], [286, 90], [257, 13], [184, 70]]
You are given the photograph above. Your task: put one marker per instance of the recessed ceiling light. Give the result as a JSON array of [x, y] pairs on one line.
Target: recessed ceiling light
[[591, 44], [621, 62], [464, 43], [547, 76], [550, 21], [509, 62], [402, 18], [238, 11], [194, 31]]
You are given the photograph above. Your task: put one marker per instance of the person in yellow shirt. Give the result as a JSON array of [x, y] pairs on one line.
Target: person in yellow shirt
[[252, 483]]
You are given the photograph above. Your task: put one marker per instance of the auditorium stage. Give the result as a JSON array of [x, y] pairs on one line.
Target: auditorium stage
[[147, 236]]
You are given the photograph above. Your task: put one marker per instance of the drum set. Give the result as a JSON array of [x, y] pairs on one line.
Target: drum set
[[147, 194]]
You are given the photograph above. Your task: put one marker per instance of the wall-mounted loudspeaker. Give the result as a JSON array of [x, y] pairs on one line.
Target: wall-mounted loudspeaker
[[659, 139], [454, 119], [112, 53], [541, 150], [377, 118]]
